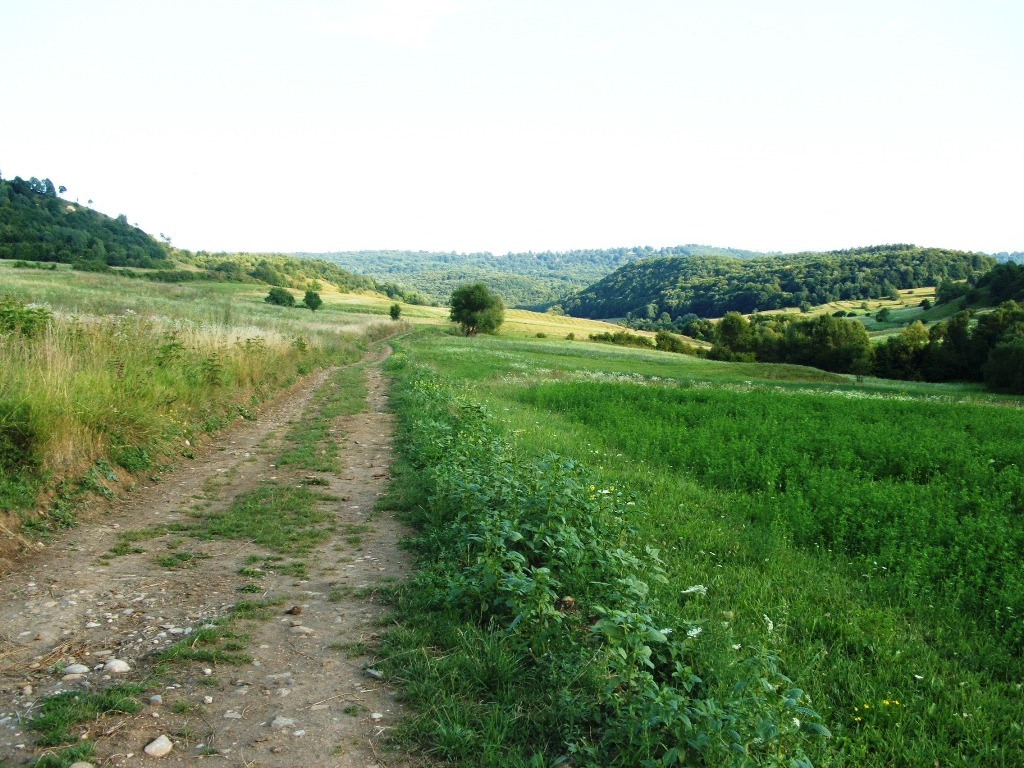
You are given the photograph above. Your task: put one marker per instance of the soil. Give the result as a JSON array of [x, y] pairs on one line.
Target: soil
[[310, 696]]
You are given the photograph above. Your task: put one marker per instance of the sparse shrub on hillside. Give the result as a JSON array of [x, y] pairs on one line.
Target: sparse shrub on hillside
[[312, 300], [282, 297], [395, 311], [623, 338]]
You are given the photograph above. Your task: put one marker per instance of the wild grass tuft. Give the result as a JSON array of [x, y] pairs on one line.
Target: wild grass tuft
[[60, 713]]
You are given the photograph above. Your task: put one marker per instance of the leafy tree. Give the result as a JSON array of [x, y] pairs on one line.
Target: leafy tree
[[312, 300], [1004, 369], [396, 311], [476, 309], [281, 297]]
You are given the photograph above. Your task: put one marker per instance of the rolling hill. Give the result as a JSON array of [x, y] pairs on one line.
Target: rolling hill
[[710, 286], [527, 280]]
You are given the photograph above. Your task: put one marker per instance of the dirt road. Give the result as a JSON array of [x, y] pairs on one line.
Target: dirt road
[[142, 579]]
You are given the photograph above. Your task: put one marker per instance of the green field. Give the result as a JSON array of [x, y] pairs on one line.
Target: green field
[[866, 534]]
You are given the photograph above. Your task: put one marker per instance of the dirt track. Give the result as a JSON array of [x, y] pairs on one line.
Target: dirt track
[[305, 699]]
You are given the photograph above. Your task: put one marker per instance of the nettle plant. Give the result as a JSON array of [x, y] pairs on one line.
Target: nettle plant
[[534, 551]]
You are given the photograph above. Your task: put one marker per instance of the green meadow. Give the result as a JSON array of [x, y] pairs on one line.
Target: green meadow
[[864, 538]]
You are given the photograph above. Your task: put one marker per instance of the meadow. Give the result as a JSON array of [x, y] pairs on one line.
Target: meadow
[[861, 540], [106, 379]]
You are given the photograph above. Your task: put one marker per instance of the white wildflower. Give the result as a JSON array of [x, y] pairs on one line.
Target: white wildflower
[[694, 632], [770, 623], [796, 721], [737, 646], [696, 589]]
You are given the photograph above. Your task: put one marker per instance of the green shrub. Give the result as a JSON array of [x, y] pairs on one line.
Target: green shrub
[[25, 319], [312, 300], [16, 437], [282, 297]]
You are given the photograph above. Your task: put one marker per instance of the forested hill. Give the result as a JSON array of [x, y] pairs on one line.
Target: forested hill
[[37, 225], [521, 279], [710, 286]]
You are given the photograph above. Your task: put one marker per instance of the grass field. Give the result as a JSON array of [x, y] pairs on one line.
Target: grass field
[[126, 374], [868, 534]]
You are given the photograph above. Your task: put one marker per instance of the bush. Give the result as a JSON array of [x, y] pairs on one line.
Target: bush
[[669, 342], [312, 300], [623, 338], [395, 311], [281, 297], [16, 317]]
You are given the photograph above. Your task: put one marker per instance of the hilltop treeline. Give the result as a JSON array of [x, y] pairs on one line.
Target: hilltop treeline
[[710, 286], [37, 225], [530, 280]]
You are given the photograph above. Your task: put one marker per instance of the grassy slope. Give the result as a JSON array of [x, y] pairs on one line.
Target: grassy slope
[[129, 372], [849, 631]]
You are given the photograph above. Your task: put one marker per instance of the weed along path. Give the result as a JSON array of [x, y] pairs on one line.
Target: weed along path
[[226, 611]]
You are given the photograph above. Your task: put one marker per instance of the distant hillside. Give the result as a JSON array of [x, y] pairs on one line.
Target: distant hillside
[[526, 280], [1015, 256], [710, 286], [37, 225]]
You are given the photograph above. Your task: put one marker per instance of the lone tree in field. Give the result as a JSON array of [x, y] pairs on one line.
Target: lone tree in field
[[281, 297], [313, 300], [396, 311], [476, 309]]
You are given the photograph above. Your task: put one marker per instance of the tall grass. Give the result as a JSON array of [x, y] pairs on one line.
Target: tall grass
[[117, 383]]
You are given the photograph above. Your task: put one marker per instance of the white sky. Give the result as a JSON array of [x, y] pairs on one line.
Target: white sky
[[305, 125]]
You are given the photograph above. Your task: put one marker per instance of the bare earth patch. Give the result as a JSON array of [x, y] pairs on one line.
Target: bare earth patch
[[138, 581]]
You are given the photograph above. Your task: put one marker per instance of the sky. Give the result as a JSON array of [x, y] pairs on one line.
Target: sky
[[517, 125]]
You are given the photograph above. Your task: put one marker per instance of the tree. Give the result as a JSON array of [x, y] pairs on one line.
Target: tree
[[396, 311], [280, 297], [312, 300], [476, 309]]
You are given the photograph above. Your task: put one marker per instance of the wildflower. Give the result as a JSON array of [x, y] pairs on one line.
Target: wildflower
[[919, 677], [696, 589], [694, 632], [736, 646], [771, 625], [796, 721]]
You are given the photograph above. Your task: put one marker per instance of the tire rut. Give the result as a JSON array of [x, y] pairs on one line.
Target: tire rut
[[305, 697]]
